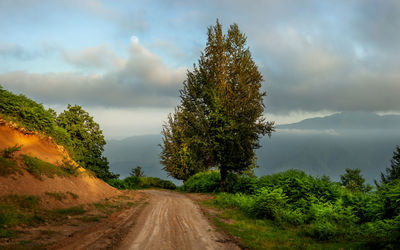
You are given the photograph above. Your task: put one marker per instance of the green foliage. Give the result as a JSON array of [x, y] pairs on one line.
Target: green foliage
[[147, 182], [245, 184], [269, 203], [322, 209], [8, 167], [354, 181], [220, 117], [137, 172], [32, 116], [69, 168], [9, 152], [73, 195], [57, 195], [39, 168], [87, 140], [78, 210], [133, 182], [205, 182], [17, 210], [393, 172]]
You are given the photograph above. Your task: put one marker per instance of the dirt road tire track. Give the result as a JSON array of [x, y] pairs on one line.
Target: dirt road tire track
[[173, 221], [106, 235]]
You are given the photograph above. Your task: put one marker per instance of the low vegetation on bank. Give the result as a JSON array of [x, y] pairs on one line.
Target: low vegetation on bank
[[304, 206], [74, 129]]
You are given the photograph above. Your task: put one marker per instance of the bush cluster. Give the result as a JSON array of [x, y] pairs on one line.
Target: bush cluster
[[323, 209], [134, 182], [32, 116]]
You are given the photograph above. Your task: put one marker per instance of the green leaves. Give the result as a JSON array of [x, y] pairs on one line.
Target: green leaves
[[220, 117], [87, 140]]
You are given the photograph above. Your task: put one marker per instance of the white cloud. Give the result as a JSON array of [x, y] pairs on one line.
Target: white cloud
[[142, 80]]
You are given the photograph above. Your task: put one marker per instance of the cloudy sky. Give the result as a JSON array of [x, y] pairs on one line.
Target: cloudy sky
[[124, 61]]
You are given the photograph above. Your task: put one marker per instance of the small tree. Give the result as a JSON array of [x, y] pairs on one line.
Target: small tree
[[393, 172], [137, 172], [354, 181], [87, 140]]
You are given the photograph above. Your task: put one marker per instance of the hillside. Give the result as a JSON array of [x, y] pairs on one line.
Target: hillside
[[348, 121], [45, 175], [319, 146]]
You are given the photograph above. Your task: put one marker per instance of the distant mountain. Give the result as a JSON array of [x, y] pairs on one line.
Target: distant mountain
[[348, 120], [319, 146], [128, 153]]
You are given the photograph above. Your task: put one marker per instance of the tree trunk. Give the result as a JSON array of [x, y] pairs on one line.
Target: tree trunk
[[224, 174]]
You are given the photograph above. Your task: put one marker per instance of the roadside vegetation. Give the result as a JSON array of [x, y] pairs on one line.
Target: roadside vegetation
[[137, 180], [74, 129], [305, 209]]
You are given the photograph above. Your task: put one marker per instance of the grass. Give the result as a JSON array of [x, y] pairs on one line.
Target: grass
[[265, 234], [73, 195], [26, 202], [10, 151], [8, 167], [57, 195], [39, 168], [78, 210], [17, 210]]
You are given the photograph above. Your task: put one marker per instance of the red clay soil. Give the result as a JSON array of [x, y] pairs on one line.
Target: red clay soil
[[88, 188]]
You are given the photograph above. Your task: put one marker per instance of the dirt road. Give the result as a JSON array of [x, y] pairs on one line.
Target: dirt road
[[173, 221]]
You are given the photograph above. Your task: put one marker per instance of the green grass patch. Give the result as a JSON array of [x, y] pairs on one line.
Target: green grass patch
[[11, 215], [39, 168], [8, 167], [107, 207], [57, 195], [78, 210], [24, 202], [266, 234], [10, 151], [68, 168], [73, 195]]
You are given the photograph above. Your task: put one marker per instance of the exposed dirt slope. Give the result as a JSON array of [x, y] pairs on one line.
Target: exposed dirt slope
[[173, 221], [85, 186], [33, 144]]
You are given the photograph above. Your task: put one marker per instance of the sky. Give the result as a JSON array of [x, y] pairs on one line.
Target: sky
[[125, 61]]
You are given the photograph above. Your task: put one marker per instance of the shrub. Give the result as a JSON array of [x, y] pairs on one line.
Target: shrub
[[204, 182], [8, 167], [69, 168], [38, 168], [387, 230], [241, 184], [155, 182], [70, 211], [322, 230], [57, 195], [133, 182], [117, 183], [32, 116], [9, 152], [269, 203], [244, 202]]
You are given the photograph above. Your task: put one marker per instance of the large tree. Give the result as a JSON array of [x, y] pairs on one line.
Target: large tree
[[393, 172], [220, 118], [87, 140]]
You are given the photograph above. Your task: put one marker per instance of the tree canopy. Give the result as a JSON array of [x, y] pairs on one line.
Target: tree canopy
[[87, 140], [220, 117], [393, 172]]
